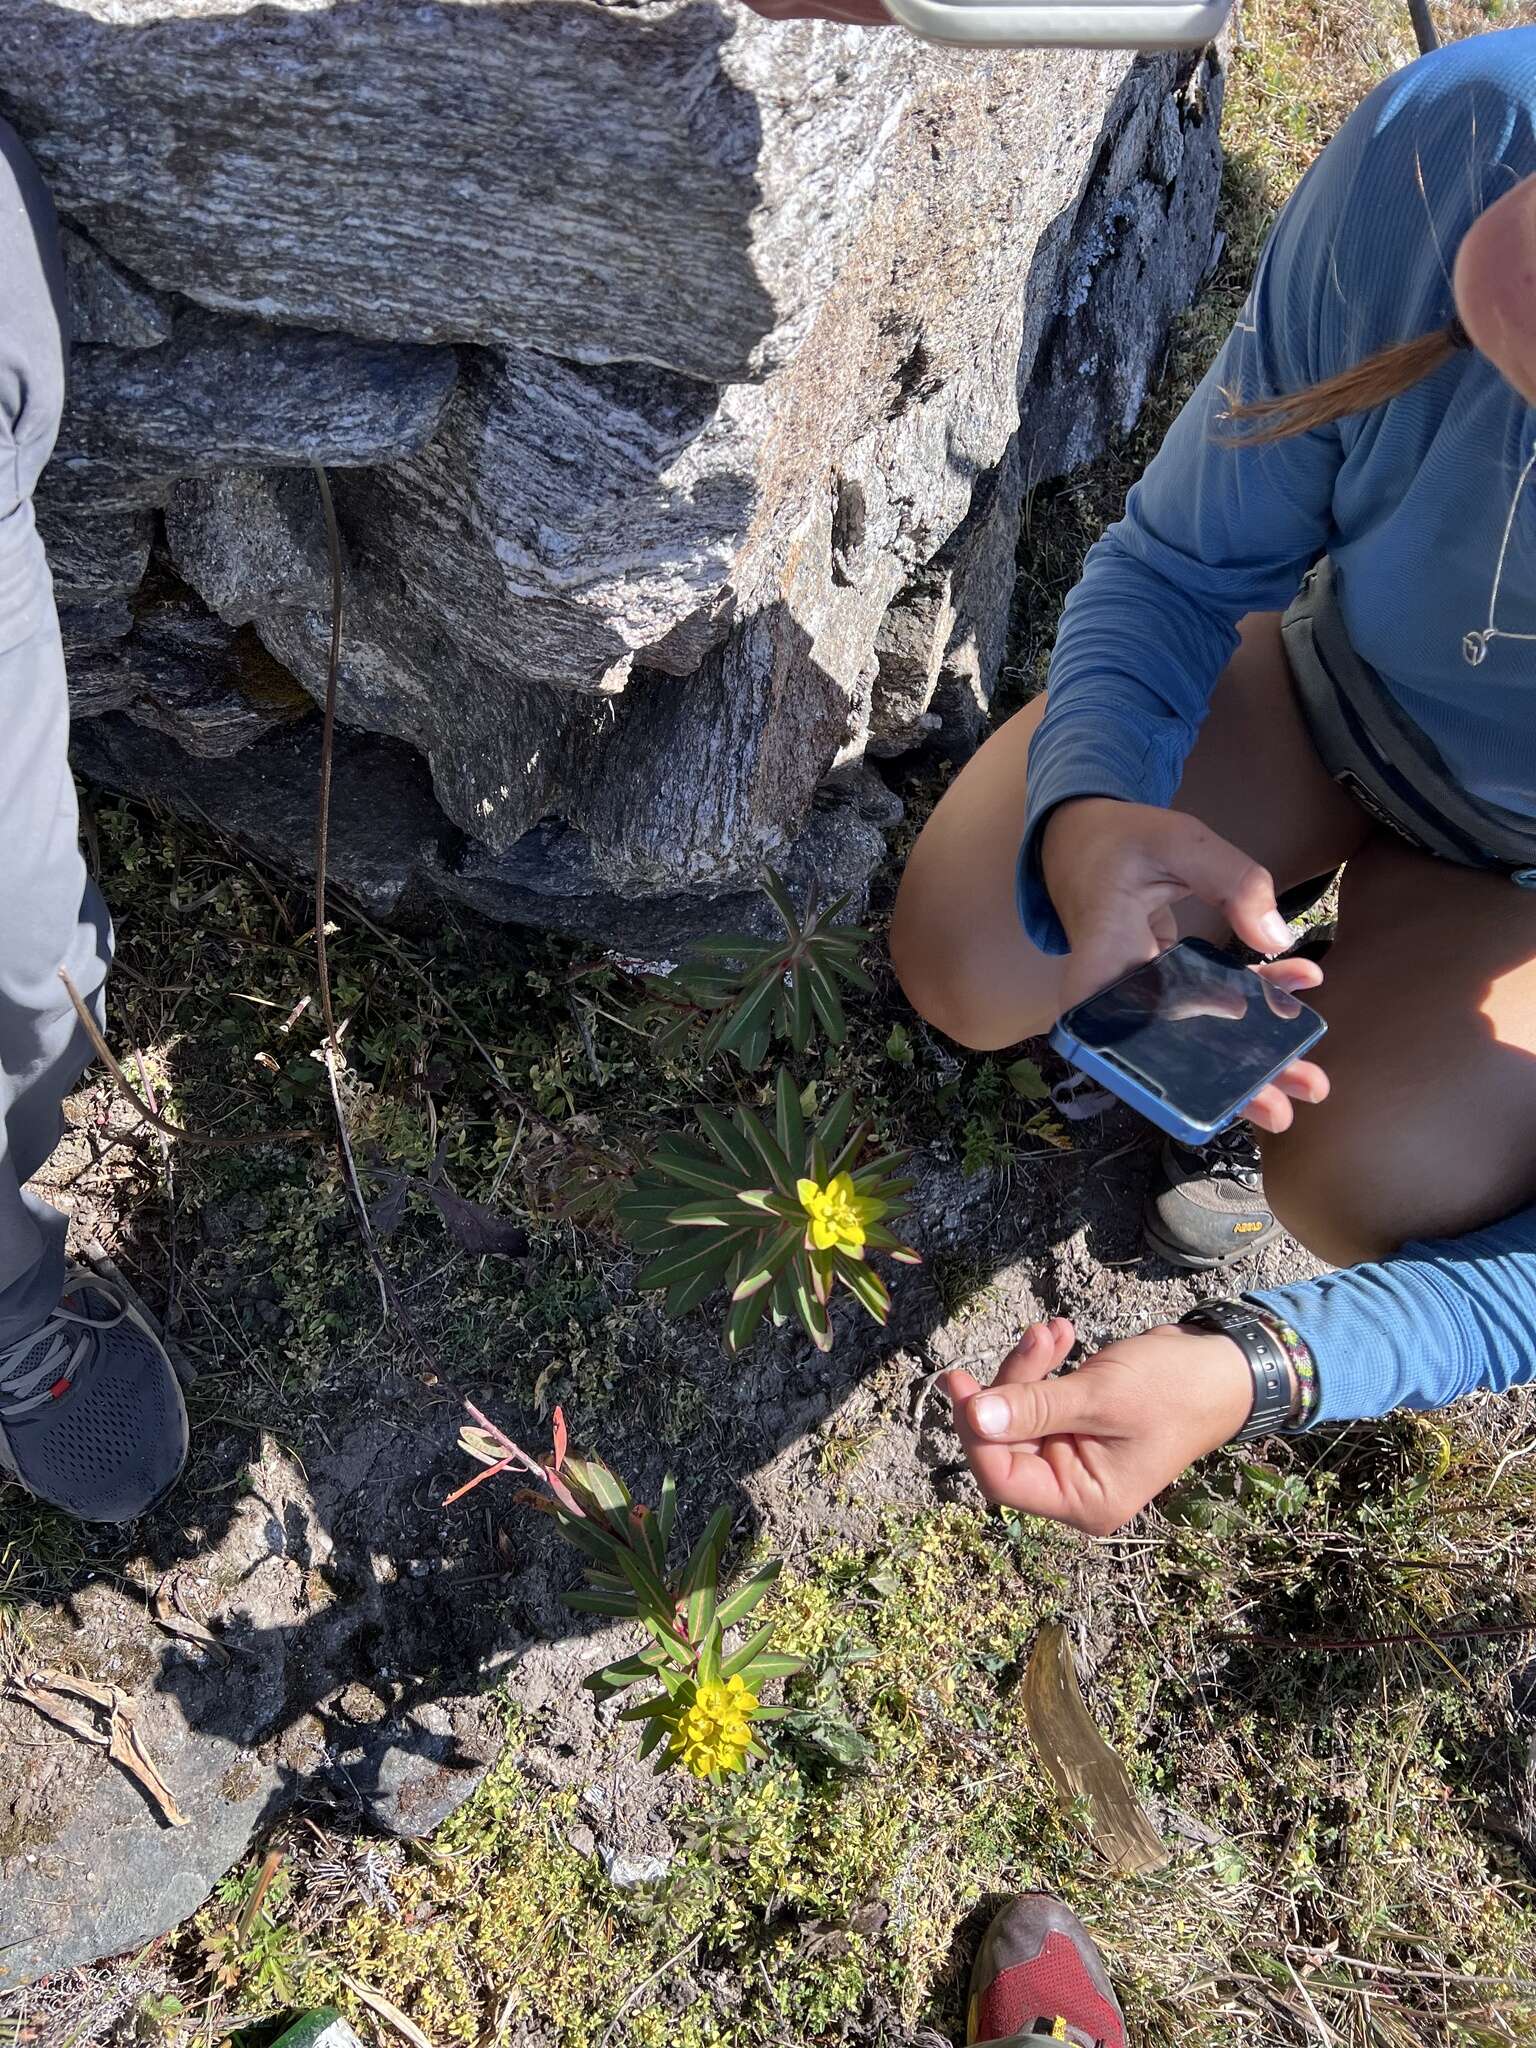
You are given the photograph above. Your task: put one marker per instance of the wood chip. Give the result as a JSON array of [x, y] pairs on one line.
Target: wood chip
[[1079, 1762], [42, 1690]]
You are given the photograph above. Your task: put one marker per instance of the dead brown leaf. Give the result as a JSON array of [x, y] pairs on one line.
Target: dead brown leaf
[[388, 2011], [47, 1691], [1079, 1762], [171, 1615]]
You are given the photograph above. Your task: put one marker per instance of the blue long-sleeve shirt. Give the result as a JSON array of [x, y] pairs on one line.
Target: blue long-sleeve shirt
[[1410, 501]]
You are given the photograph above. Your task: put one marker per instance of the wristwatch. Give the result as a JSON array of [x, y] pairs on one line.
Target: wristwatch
[[1274, 1391]]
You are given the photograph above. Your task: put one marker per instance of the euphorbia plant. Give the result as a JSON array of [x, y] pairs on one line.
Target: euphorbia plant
[[777, 1217], [704, 1716], [755, 990]]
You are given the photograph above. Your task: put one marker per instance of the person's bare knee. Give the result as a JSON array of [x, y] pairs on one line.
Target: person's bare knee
[[1353, 1189], [949, 974], [1321, 1201]]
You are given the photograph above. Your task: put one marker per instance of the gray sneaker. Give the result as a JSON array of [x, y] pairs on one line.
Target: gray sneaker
[[1206, 1208], [91, 1418]]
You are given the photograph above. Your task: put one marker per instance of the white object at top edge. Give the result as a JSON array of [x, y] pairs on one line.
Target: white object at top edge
[[1070, 24]]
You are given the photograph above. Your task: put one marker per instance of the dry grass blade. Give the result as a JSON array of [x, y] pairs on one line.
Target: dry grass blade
[[173, 1618], [120, 1739], [1079, 1762], [209, 1141], [387, 2011]]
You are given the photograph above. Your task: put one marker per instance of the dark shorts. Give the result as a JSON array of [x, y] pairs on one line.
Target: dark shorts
[[1372, 750]]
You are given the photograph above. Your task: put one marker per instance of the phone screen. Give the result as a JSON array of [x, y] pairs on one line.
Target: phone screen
[[1196, 1028]]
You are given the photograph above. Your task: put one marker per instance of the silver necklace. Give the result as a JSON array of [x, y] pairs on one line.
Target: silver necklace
[[1474, 645]]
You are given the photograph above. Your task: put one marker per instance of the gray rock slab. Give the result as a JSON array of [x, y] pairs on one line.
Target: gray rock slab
[[673, 183], [94, 557], [108, 305], [225, 394]]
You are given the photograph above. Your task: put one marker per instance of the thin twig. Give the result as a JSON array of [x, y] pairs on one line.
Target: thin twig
[[389, 1295], [677, 1956], [1430, 1636], [210, 1141]]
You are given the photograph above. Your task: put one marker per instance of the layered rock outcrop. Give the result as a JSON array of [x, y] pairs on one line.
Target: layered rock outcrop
[[670, 368]]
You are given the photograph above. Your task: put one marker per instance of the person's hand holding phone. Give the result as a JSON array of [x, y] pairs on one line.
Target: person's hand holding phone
[[1115, 871]]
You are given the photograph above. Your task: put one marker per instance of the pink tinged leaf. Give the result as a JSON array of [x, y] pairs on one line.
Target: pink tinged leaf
[[490, 1472], [562, 1438]]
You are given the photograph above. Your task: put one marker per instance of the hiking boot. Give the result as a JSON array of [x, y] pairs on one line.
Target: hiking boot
[[1207, 1207], [1039, 1976], [91, 1418]]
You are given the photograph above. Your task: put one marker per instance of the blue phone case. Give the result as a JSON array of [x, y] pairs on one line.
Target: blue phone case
[[1156, 1108]]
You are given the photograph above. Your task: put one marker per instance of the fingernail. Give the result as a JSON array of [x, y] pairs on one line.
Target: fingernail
[[989, 1414], [1278, 936]]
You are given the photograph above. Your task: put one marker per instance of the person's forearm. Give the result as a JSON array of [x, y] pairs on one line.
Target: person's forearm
[[1419, 1330], [1132, 673]]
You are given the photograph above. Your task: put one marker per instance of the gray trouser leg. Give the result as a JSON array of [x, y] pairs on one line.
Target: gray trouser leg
[[50, 914]]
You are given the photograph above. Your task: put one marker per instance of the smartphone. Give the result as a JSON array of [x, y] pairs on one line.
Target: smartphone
[[1189, 1039], [1069, 24]]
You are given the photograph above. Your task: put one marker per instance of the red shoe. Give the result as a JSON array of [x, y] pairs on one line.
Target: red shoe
[[1039, 1975]]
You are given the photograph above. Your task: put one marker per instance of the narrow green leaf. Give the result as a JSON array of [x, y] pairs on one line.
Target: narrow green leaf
[[676, 1652], [774, 889], [802, 1019], [648, 1710], [711, 1215], [881, 1165], [866, 1286], [728, 1141], [827, 1002], [773, 1664], [810, 1311], [601, 1603], [714, 1254], [746, 1312], [747, 1017], [768, 1262], [740, 1604], [652, 1735], [784, 1296], [640, 1574], [789, 1118], [833, 1128], [686, 1295], [627, 1672], [730, 946], [592, 1537], [666, 1511], [771, 1204], [645, 1523], [754, 1050], [705, 1174], [879, 1239], [767, 1149], [701, 1574], [754, 1646]]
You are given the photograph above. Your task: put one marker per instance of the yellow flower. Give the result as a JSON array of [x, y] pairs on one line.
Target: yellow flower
[[713, 1731], [837, 1214]]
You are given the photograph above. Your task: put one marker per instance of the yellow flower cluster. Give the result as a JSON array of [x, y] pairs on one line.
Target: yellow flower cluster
[[838, 1215], [713, 1731]]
